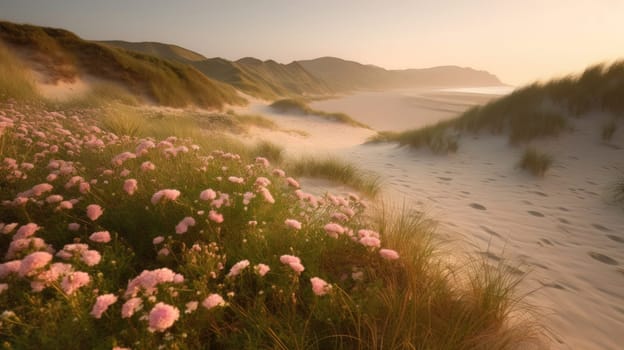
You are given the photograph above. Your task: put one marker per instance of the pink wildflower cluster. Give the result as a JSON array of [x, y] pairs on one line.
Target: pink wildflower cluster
[[165, 195], [183, 225], [162, 317], [102, 303], [149, 280], [293, 262], [319, 286]]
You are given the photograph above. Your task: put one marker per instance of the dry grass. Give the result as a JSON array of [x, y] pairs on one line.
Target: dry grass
[[535, 162]]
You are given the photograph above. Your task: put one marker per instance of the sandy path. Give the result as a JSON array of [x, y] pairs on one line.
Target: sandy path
[[562, 228]]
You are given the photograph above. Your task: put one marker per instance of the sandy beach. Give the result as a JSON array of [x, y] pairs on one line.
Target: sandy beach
[[563, 229]]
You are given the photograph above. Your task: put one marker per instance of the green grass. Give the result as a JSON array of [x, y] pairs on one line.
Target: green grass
[[15, 81], [413, 302], [337, 170], [298, 106], [435, 137], [535, 162], [64, 55], [533, 111], [608, 129]]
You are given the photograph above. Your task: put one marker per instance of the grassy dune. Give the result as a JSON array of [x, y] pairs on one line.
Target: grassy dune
[[15, 81], [530, 112], [298, 106], [63, 56]]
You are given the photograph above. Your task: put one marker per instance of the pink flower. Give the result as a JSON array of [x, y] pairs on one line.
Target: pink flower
[[208, 195], [71, 282], [247, 196], [34, 261], [102, 303], [3, 287], [292, 182], [94, 211], [165, 195], [66, 205], [236, 180], [124, 173], [158, 240], [238, 268], [8, 228], [279, 172], [262, 181], [268, 197], [51, 177], [91, 257], [148, 280], [162, 317], [26, 231], [73, 226], [54, 198], [100, 237], [292, 223], [191, 306], [388, 254], [333, 230], [213, 300], [147, 166], [84, 187], [319, 286], [10, 267], [292, 261], [216, 217], [39, 189], [183, 225], [370, 241], [262, 161], [130, 307], [130, 186], [262, 269]]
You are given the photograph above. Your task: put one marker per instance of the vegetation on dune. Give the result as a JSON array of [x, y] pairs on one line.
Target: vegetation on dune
[[436, 137], [338, 170], [535, 162], [608, 129], [619, 190], [145, 238], [298, 106], [534, 111], [15, 82], [63, 56]]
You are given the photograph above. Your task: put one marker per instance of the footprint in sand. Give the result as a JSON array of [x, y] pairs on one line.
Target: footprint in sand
[[540, 193], [546, 241], [564, 209], [465, 192], [616, 238], [564, 221], [490, 231], [603, 258], [535, 213], [445, 178], [477, 206], [601, 228]]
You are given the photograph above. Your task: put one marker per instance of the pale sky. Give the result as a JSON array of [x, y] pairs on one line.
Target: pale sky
[[519, 41]]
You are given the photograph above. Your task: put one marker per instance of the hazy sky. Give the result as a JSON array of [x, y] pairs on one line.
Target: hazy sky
[[520, 41]]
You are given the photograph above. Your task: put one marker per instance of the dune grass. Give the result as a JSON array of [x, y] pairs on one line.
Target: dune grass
[[608, 129], [15, 82], [436, 137], [618, 190], [337, 170], [535, 162], [534, 111], [298, 106]]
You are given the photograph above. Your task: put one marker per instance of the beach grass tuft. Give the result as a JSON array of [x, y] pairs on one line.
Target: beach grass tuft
[[299, 106], [535, 162]]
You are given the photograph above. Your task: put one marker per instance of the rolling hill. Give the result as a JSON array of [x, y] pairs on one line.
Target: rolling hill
[[342, 75], [264, 79], [63, 56]]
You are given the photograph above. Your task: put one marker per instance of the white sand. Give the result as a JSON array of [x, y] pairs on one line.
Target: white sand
[[562, 229]]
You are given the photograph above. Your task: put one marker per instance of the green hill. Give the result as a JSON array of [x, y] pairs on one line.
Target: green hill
[[530, 112], [63, 56], [344, 75], [265, 79]]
